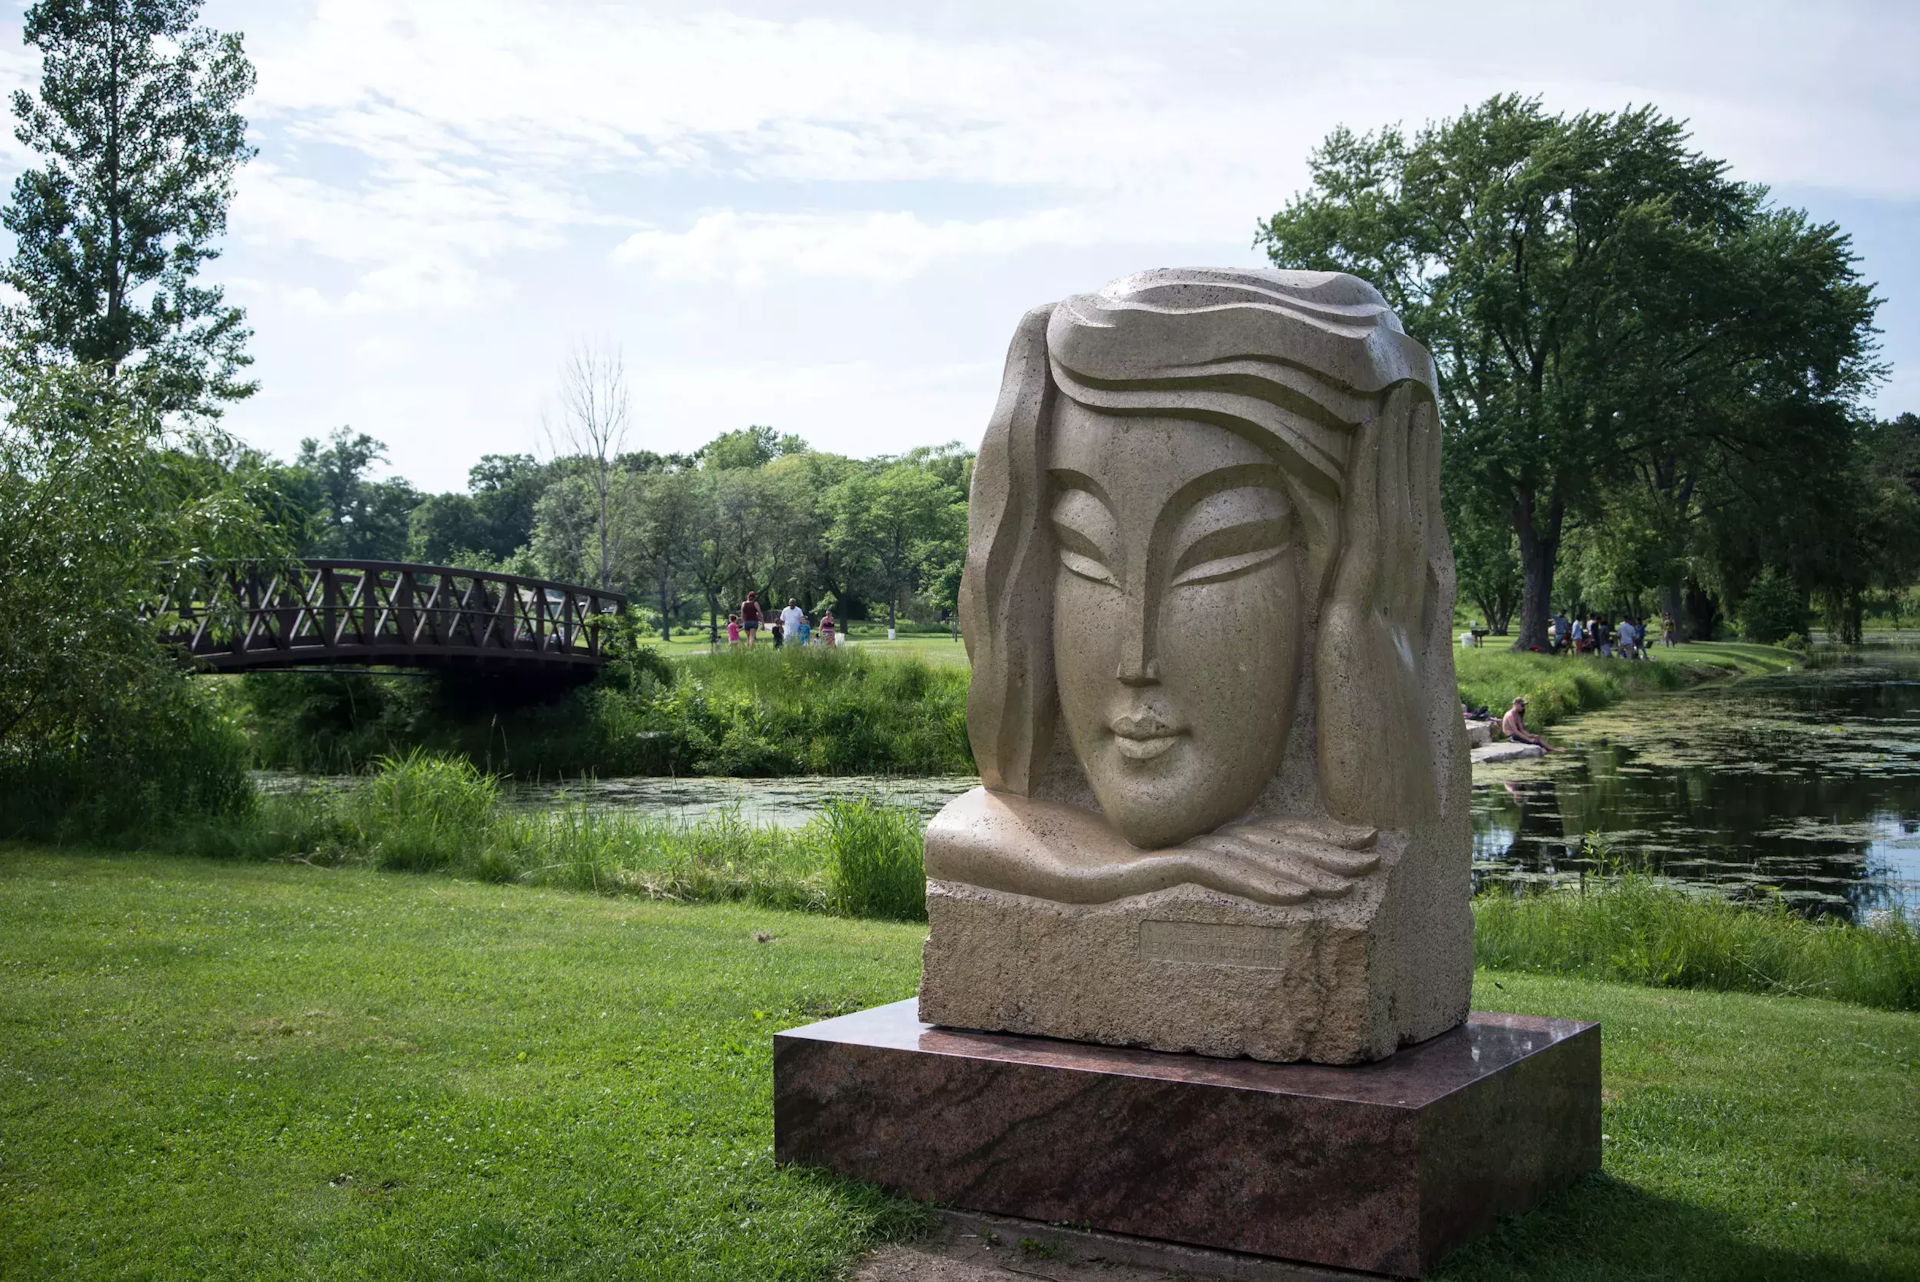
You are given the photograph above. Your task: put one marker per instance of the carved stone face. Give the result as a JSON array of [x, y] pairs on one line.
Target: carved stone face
[[1177, 617]]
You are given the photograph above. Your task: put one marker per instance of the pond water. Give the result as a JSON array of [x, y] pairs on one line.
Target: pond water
[[1807, 782], [787, 802]]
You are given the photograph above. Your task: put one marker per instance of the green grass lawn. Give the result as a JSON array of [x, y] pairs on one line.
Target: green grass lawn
[[238, 1070], [933, 648]]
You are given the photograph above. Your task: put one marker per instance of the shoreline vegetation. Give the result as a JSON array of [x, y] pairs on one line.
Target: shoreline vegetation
[[267, 1069], [1557, 687], [861, 857], [869, 708], [748, 713]]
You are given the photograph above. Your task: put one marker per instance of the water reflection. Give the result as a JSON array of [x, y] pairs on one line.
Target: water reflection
[[1808, 782]]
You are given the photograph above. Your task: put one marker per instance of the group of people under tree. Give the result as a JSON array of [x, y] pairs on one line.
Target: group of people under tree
[[1591, 634], [1626, 639], [792, 626]]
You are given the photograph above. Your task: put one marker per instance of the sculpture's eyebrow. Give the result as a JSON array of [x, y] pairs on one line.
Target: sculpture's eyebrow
[[1242, 476]]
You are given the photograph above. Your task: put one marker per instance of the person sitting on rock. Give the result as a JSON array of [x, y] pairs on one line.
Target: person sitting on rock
[[1514, 726]]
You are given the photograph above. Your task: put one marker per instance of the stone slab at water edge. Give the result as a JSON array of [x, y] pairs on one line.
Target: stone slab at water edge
[[1207, 600]]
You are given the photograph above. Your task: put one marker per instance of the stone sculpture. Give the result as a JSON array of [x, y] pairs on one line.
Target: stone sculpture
[[1208, 599]]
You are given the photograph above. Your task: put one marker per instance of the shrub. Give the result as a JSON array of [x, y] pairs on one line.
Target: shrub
[[175, 759], [422, 812], [1774, 608], [757, 713], [875, 854]]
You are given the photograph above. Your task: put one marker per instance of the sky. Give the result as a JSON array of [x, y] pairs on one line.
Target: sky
[[828, 217]]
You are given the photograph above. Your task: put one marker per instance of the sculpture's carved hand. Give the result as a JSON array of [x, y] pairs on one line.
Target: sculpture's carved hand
[[1372, 719], [1068, 855], [1320, 858]]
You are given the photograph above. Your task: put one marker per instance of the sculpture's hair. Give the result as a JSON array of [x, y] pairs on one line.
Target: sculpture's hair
[[1293, 361]]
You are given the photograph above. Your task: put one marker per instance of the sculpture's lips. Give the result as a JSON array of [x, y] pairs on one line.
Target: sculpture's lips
[[1143, 736]]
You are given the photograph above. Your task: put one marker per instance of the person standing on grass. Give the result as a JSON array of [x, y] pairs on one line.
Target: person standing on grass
[[826, 628], [794, 620], [779, 631], [1514, 726], [1666, 627], [750, 617], [804, 629], [1562, 634], [733, 630], [1625, 633]]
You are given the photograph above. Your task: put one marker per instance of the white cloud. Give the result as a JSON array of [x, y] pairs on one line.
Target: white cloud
[[887, 247]]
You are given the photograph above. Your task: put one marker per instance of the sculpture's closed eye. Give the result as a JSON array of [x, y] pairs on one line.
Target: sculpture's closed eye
[[1088, 540], [1230, 533]]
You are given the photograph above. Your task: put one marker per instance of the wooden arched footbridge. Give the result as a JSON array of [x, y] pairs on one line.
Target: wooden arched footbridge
[[326, 613]]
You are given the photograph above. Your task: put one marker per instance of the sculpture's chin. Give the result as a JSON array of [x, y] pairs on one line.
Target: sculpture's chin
[[1155, 827]]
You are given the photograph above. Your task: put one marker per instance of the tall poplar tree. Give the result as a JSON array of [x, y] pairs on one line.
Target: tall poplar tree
[[139, 137]]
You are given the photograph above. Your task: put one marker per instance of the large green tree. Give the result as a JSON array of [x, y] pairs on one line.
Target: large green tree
[[349, 513], [138, 135], [101, 505], [901, 520], [1598, 297]]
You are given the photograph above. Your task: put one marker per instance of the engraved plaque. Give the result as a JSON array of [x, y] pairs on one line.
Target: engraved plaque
[[1206, 944]]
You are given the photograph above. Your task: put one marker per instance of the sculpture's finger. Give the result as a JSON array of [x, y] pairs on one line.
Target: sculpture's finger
[[1332, 861], [1231, 872], [1324, 830], [1275, 861]]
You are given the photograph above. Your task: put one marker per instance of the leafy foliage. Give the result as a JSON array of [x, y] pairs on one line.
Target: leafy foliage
[[343, 511], [100, 722], [138, 134], [750, 713], [1610, 315]]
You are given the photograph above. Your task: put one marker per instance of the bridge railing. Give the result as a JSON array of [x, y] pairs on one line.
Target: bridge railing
[[314, 612]]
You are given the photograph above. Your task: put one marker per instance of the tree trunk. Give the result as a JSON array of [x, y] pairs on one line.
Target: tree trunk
[[1670, 606], [1539, 548], [666, 619], [1702, 611]]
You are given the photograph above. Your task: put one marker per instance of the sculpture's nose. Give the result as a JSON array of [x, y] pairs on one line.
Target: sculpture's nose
[[1138, 667]]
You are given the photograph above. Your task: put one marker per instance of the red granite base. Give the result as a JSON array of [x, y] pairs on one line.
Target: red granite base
[[1382, 1167]]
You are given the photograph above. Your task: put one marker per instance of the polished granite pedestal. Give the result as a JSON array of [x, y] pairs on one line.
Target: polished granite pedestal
[[1380, 1167]]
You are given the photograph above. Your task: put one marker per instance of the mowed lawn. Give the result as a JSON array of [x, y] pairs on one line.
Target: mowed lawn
[[223, 1070], [932, 648]]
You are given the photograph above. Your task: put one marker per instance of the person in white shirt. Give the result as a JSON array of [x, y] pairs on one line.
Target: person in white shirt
[[792, 617]]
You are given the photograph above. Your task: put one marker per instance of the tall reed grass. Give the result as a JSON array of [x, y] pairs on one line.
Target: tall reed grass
[[1636, 929], [419, 812]]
